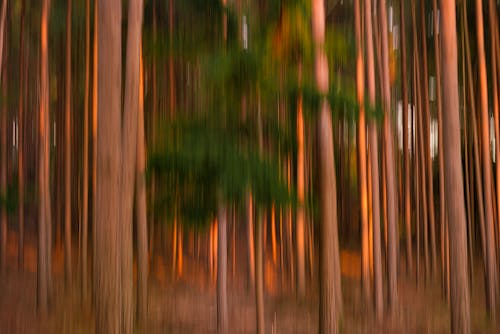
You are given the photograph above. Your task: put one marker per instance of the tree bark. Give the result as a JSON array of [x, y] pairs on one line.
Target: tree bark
[[108, 256], [485, 148], [20, 152], [141, 210], [392, 205], [3, 147], [67, 152], [85, 193], [259, 275], [361, 144], [330, 308], [373, 132], [222, 311], [460, 308]]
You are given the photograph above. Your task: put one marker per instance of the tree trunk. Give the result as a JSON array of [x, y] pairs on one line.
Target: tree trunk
[[108, 256], [43, 268], [85, 194], [141, 210], [460, 308], [373, 132], [222, 311], [300, 224], [406, 147], [361, 144], [485, 148], [392, 205], [3, 147], [330, 307], [20, 152], [259, 275], [95, 83], [128, 158], [67, 152], [250, 243]]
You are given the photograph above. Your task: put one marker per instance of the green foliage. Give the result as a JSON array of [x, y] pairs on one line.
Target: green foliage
[[8, 200]]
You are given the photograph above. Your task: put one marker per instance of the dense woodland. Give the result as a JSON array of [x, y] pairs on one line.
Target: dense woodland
[[240, 166]]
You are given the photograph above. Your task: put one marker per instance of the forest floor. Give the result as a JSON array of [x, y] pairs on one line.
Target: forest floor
[[188, 303]]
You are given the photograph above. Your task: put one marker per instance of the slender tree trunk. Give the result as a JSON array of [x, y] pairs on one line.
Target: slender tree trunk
[[95, 83], [141, 210], [20, 152], [250, 241], [171, 57], [392, 205], [373, 132], [259, 275], [485, 148], [361, 144], [300, 223], [222, 311], [330, 308], [406, 147], [460, 308], [67, 152], [108, 256], [3, 143], [426, 123], [43, 268], [85, 194]]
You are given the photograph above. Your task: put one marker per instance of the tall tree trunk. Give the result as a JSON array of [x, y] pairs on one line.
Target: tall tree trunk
[[300, 223], [43, 268], [141, 210], [392, 205], [128, 158], [171, 57], [454, 189], [373, 132], [361, 144], [250, 241], [426, 123], [3, 146], [95, 83], [108, 255], [406, 147], [85, 194], [67, 152], [20, 152], [330, 291], [485, 148], [222, 311], [259, 274]]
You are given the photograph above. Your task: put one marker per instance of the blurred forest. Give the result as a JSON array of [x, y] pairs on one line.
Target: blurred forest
[[241, 166]]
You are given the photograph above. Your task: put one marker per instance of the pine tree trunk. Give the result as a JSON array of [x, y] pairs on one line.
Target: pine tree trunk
[[20, 152], [392, 205], [259, 275], [373, 133], [67, 152], [141, 210], [330, 308], [491, 285], [108, 255], [361, 145], [222, 311], [85, 194], [460, 308]]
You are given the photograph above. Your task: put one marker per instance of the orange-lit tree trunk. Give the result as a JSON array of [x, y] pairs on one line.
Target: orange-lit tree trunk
[[259, 274], [67, 152], [373, 132], [330, 307], [141, 210], [490, 263], [3, 147], [454, 190], [406, 144], [222, 311], [108, 256], [392, 205], [44, 231], [85, 191], [20, 152], [300, 223], [128, 157], [95, 83], [361, 145]]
